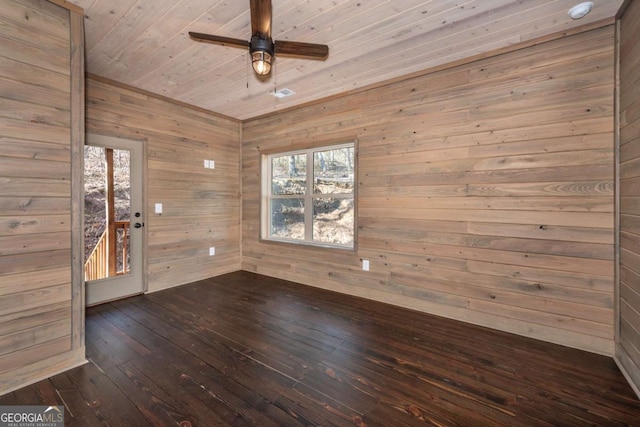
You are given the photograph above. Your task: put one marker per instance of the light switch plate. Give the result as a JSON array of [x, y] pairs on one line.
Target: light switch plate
[[158, 208]]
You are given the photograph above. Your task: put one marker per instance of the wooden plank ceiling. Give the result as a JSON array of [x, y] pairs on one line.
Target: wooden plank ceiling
[[144, 43]]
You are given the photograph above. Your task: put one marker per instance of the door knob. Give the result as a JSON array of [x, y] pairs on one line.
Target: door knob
[[138, 225]]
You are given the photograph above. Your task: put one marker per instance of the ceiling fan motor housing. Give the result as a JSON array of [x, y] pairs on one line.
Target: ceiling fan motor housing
[[259, 44]]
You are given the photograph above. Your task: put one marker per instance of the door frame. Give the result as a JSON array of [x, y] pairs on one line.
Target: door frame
[[96, 139]]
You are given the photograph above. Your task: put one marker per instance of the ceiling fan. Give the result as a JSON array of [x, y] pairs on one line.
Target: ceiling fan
[[261, 46]]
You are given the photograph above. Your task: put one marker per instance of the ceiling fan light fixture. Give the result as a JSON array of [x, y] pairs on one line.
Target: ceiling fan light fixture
[[261, 51], [261, 62]]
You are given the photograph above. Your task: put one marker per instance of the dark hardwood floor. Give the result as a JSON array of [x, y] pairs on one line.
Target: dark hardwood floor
[[247, 350]]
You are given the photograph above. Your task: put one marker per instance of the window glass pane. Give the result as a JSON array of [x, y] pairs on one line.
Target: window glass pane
[[333, 221], [289, 174], [333, 171], [287, 218]]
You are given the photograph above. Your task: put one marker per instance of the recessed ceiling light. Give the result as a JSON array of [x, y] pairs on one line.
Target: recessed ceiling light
[[283, 93], [580, 10]]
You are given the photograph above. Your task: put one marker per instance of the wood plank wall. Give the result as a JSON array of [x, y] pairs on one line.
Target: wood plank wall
[[628, 340], [41, 116], [201, 207], [485, 192]]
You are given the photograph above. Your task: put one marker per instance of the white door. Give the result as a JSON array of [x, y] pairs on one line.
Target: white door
[[113, 253]]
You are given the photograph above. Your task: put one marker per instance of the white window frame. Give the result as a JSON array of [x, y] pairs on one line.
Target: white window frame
[[267, 197]]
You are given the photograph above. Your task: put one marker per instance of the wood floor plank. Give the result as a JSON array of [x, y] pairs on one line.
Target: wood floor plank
[[171, 405], [248, 350], [180, 352], [92, 398]]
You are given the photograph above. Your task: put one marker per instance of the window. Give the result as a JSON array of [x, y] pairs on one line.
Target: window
[[308, 196]]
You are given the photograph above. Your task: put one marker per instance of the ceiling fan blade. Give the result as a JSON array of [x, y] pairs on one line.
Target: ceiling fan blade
[[261, 18], [301, 50], [225, 41]]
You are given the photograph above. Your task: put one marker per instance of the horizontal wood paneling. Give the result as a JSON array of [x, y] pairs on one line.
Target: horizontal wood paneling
[[485, 192], [36, 321], [201, 207], [628, 339]]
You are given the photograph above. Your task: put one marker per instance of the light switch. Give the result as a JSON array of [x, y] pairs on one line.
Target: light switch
[[158, 208], [365, 264]]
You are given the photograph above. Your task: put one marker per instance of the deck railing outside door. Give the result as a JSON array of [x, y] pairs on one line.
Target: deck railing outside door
[[97, 265]]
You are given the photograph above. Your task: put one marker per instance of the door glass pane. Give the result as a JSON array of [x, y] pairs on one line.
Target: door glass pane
[[107, 177]]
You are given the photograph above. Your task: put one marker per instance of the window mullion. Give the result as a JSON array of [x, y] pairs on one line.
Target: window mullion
[[308, 202], [267, 191]]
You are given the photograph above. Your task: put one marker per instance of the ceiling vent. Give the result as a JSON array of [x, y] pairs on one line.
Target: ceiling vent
[[283, 93]]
